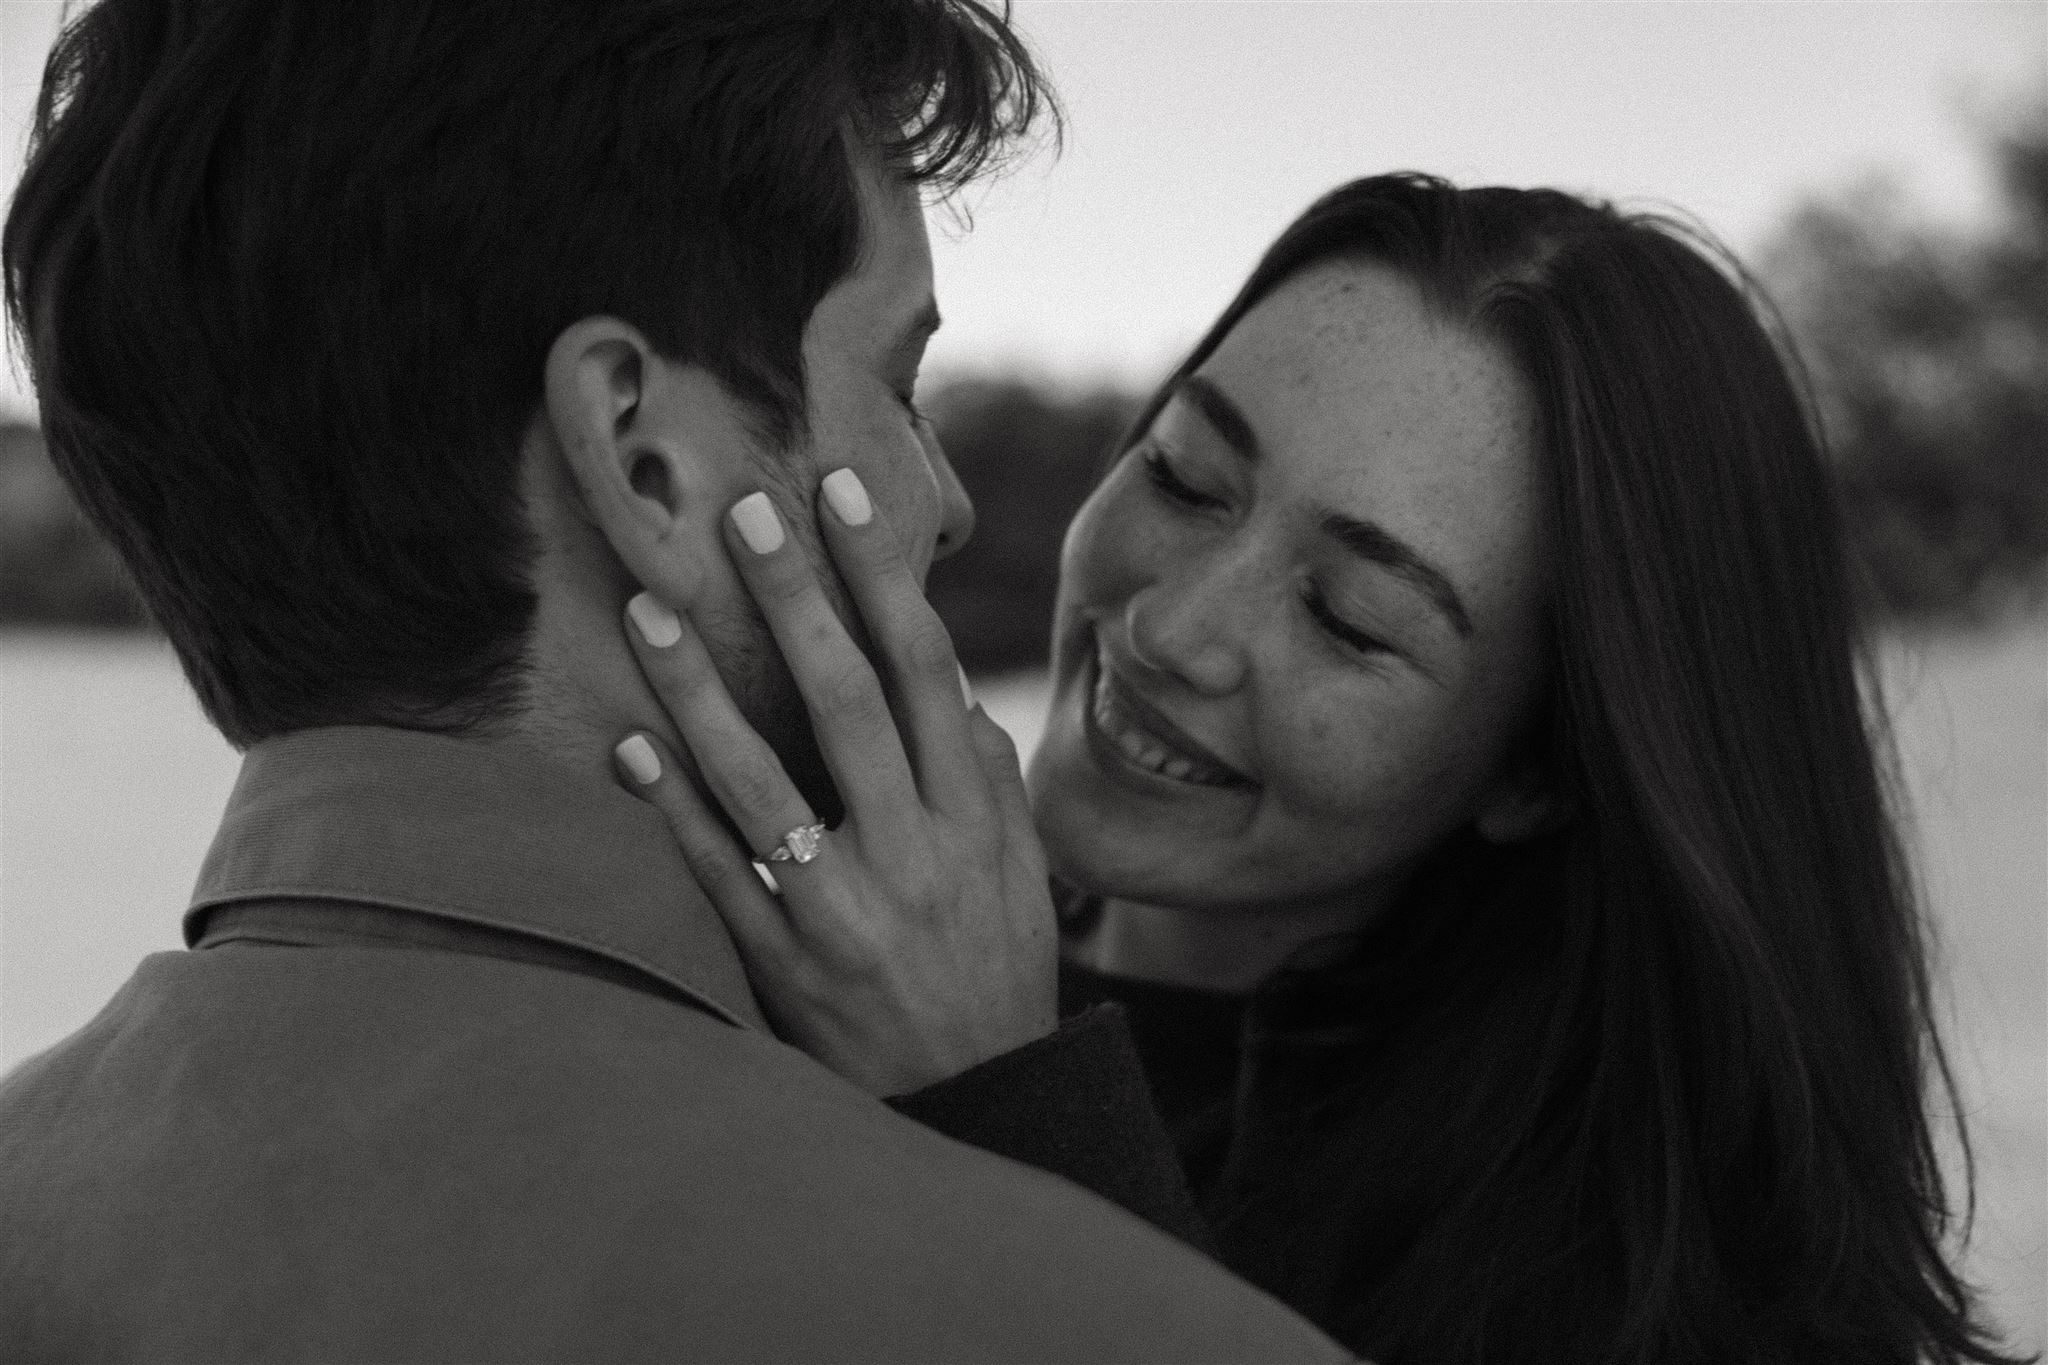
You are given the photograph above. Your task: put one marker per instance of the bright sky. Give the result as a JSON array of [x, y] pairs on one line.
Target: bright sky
[[1197, 129]]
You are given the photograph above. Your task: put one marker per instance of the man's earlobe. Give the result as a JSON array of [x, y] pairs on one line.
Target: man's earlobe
[[604, 407]]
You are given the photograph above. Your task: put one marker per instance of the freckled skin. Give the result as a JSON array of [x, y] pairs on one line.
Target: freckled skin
[[1363, 404]]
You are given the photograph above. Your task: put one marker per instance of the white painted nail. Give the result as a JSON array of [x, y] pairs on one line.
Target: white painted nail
[[849, 500], [966, 689], [657, 625], [640, 759], [759, 526]]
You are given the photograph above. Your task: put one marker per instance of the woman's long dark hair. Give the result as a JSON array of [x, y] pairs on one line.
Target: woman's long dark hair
[[1655, 1087]]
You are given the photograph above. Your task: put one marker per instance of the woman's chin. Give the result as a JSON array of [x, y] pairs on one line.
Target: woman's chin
[[1086, 834], [1112, 826], [1096, 838]]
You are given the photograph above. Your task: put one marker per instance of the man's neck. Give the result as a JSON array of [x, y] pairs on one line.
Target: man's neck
[[564, 733], [582, 692]]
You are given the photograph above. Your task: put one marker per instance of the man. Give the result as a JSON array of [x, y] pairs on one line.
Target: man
[[394, 345]]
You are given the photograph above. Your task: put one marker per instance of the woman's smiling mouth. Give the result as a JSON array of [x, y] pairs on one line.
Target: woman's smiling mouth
[[1147, 740]]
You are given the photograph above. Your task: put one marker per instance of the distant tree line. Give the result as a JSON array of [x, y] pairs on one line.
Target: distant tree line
[[55, 570], [1027, 454], [1928, 350]]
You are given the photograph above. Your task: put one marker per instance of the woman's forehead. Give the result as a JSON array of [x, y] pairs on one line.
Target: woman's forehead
[[1345, 365], [1363, 403]]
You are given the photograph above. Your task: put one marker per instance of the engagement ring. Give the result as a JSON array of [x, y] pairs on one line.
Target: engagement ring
[[800, 845]]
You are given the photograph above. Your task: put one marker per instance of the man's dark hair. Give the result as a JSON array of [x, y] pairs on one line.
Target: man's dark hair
[[287, 273]]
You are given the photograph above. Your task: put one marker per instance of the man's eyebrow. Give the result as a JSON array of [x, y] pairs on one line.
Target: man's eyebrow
[[1376, 543], [1221, 413]]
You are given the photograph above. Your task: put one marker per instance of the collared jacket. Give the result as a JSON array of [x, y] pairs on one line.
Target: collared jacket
[[461, 1066]]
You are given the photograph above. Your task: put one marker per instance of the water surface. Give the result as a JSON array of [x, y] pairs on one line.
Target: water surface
[[111, 781]]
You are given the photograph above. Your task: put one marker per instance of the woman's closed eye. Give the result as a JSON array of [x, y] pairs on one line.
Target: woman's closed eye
[[918, 417], [1167, 480], [1337, 627], [1160, 471]]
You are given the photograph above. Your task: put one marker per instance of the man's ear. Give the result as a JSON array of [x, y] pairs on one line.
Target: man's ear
[[612, 406], [1525, 801]]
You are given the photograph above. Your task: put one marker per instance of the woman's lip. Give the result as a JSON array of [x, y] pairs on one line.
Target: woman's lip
[[1151, 718]]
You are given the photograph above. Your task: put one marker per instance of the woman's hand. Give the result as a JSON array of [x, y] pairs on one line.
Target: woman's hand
[[920, 939]]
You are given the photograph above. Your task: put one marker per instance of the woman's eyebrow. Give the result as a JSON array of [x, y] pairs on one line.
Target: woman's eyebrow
[[1369, 540], [1221, 413]]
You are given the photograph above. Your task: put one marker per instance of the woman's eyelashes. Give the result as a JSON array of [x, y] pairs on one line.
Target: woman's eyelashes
[[1171, 485], [1162, 475], [1160, 471], [908, 399], [1337, 627]]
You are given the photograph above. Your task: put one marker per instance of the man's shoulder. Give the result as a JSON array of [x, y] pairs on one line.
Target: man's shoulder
[[570, 1158]]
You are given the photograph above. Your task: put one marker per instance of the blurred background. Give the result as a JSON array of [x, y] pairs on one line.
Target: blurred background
[[1882, 167]]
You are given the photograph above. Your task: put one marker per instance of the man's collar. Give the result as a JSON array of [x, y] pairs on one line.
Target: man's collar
[[471, 832]]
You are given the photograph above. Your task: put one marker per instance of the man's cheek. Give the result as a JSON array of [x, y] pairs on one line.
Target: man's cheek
[[909, 497]]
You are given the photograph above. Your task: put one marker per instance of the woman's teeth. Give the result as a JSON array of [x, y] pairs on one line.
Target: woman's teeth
[[1143, 748]]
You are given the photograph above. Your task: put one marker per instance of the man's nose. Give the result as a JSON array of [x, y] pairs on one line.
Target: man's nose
[[956, 509], [1181, 628]]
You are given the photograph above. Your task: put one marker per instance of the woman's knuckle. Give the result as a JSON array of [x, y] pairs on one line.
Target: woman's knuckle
[[818, 633], [784, 581], [754, 790], [927, 891], [884, 557], [929, 650], [846, 690], [863, 964], [807, 983], [696, 694], [993, 740], [1002, 742], [697, 850], [728, 873]]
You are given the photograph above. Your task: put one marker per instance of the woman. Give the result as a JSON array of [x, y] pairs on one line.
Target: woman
[[1458, 763]]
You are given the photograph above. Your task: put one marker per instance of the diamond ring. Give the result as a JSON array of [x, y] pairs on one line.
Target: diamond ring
[[800, 845]]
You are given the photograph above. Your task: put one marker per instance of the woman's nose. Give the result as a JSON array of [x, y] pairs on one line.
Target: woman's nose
[[1182, 631], [956, 509]]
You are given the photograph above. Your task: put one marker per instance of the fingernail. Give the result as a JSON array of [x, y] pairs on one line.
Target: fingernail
[[657, 625], [848, 498], [759, 526], [966, 689], [640, 759]]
